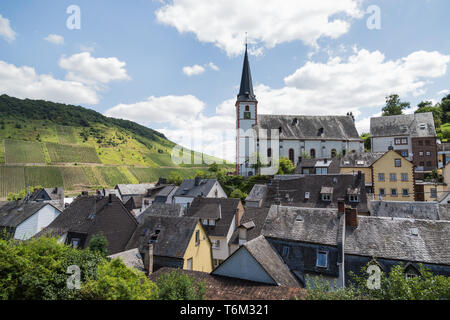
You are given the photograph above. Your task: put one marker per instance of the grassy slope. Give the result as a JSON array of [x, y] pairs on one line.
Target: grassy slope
[[61, 136]]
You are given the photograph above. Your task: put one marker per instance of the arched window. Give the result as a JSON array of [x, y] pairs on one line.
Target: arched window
[[333, 153], [292, 155], [247, 108], [312, 153], [269, 152]]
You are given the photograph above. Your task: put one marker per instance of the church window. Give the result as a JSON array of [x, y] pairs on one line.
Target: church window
[[292, 155], [312, 153], [247, 108]]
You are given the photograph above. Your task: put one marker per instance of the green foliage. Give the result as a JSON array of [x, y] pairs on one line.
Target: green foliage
[[22, 193], [214, 167], [394, 106], [67, 153], [99, 243], [286, 166], [179, 286], [238, 194], [321, 289], [23, 152], [445, 106], [427, 106], [175, 178], [367, 141]]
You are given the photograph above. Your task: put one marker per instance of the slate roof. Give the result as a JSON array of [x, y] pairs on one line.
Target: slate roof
[[53, 193], [246, 90], [403, 209], [225, 288], [13, 213], [291, 191], [352, 160], [134, 202], [263, 252], [189, 189], [309, 127], [209, 208], [390, 238], [134, 189], [162, 209], [172, 240], [258, 217], [257, 193], [131, 258], [444, 211], [403, 125], [332, 165], [90, 215]]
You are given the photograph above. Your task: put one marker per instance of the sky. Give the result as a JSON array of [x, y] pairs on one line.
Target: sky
[[175, 66]]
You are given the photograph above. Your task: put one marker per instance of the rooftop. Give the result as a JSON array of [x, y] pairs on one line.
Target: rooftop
[[415, 125]]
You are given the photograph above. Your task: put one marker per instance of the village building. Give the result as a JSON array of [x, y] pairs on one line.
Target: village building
[[220, 218], [175, 242], [198, 187], [23, 219], [412, 135], [429, 190], [127, 191], [409, 210], [162, 209], [314, 136], [89, 216], [360, 161], [318, 166], [54, 196]]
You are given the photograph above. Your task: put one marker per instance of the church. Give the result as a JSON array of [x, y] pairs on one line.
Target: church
[[297, 136]]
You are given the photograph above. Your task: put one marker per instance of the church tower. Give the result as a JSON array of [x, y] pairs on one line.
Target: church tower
[[246, 118]]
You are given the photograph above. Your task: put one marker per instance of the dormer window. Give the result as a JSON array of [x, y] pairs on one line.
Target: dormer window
[[422, 126], [326, 197], [212, 222], [353, 198]]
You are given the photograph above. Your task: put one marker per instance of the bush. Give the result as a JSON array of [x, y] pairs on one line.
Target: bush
[[179, 286], [99, 243]]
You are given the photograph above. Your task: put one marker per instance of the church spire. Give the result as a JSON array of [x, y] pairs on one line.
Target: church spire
[[246, 91]]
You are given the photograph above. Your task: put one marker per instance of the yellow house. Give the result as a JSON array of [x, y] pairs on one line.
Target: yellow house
[[393, 178], [354, 162], [429, 191], [172, 241]]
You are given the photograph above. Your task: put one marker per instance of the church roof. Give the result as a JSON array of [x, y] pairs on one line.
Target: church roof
[[246, 91], [311, 127]]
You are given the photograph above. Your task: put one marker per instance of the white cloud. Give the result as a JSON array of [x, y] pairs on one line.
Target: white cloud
[[168, 109], [84, 68], [5, 30], [23, 82], [213, 66], [194, 70], [223, 22], [87, 48], [443, 92], [55, 39]]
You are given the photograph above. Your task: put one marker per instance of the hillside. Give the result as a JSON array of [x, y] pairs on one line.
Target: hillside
[[51, 144]]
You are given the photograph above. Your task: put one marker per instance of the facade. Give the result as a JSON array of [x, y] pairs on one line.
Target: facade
[[413, 136], [393, 178], [291, 136], [429, 191], [198, 187], [23, 220], [355, 162]]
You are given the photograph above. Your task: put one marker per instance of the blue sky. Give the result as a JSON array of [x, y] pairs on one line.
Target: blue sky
[[127, 59]]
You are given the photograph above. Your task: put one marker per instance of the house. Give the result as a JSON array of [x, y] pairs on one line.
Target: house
[[176, 242], [88, 216], [318, 166], [314, 191], [256, 196], [54, 195], [165, 195], [162, 209], [429, 190], [332, 243], [23, 219], [412, 135], [443, 154], [226, 288], [315, 136], [257, 261], [393, 178], [408, 210], [220, 218], [250, 228], [360, 161], [198, 187], [129, 190]]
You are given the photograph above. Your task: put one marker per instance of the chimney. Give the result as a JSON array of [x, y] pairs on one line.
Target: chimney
[[341, 206], [55, 191], [150, 259], [351, 217], [197, 181], [84, 193], [110, 198]]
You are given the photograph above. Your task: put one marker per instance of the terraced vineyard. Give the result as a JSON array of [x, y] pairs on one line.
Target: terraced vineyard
[[12, 179], [74, 178], [61, 153], [145, 175], [113, 176], [65, 135], [23, 152], [43, 176]]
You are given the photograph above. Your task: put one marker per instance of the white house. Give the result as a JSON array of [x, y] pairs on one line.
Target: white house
[[24, 220], [198, 187]]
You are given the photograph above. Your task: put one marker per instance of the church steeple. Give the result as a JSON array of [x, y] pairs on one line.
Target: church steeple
[[246, 91]]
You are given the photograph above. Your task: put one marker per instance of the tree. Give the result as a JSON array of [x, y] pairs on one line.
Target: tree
[[367, 141], [99, 243], [214, 167], [238, 194], [22, 193], [286, 166], [394, 106], [175, 178], [445, 106], [427, 106], [179, 286]]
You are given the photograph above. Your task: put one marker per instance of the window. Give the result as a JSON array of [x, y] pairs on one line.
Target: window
[[421, 153], [326, 197], [75, 243], [405, 192], [312, 153], [247, 108], [420, 142], [216, 244], [393, 177], [404, 154], [190, 264], [205, 222], [428, 154], [433, 193], [333, 153], [422, 164], [398, 163], [322, 259], [427, 142], [404, 141], [405, 177], [269, 153], [292, 156], [305, 171], [382, 192], [381, 177], [321, 170], [394, 193], [353, 198], [197, 237], [285, 251], [212, 222]]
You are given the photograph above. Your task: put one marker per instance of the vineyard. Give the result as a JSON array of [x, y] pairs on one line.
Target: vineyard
[[23, 152], [61, 153], [65, 135]]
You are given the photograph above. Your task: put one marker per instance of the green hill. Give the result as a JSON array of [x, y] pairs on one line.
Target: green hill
[[51, 144]]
